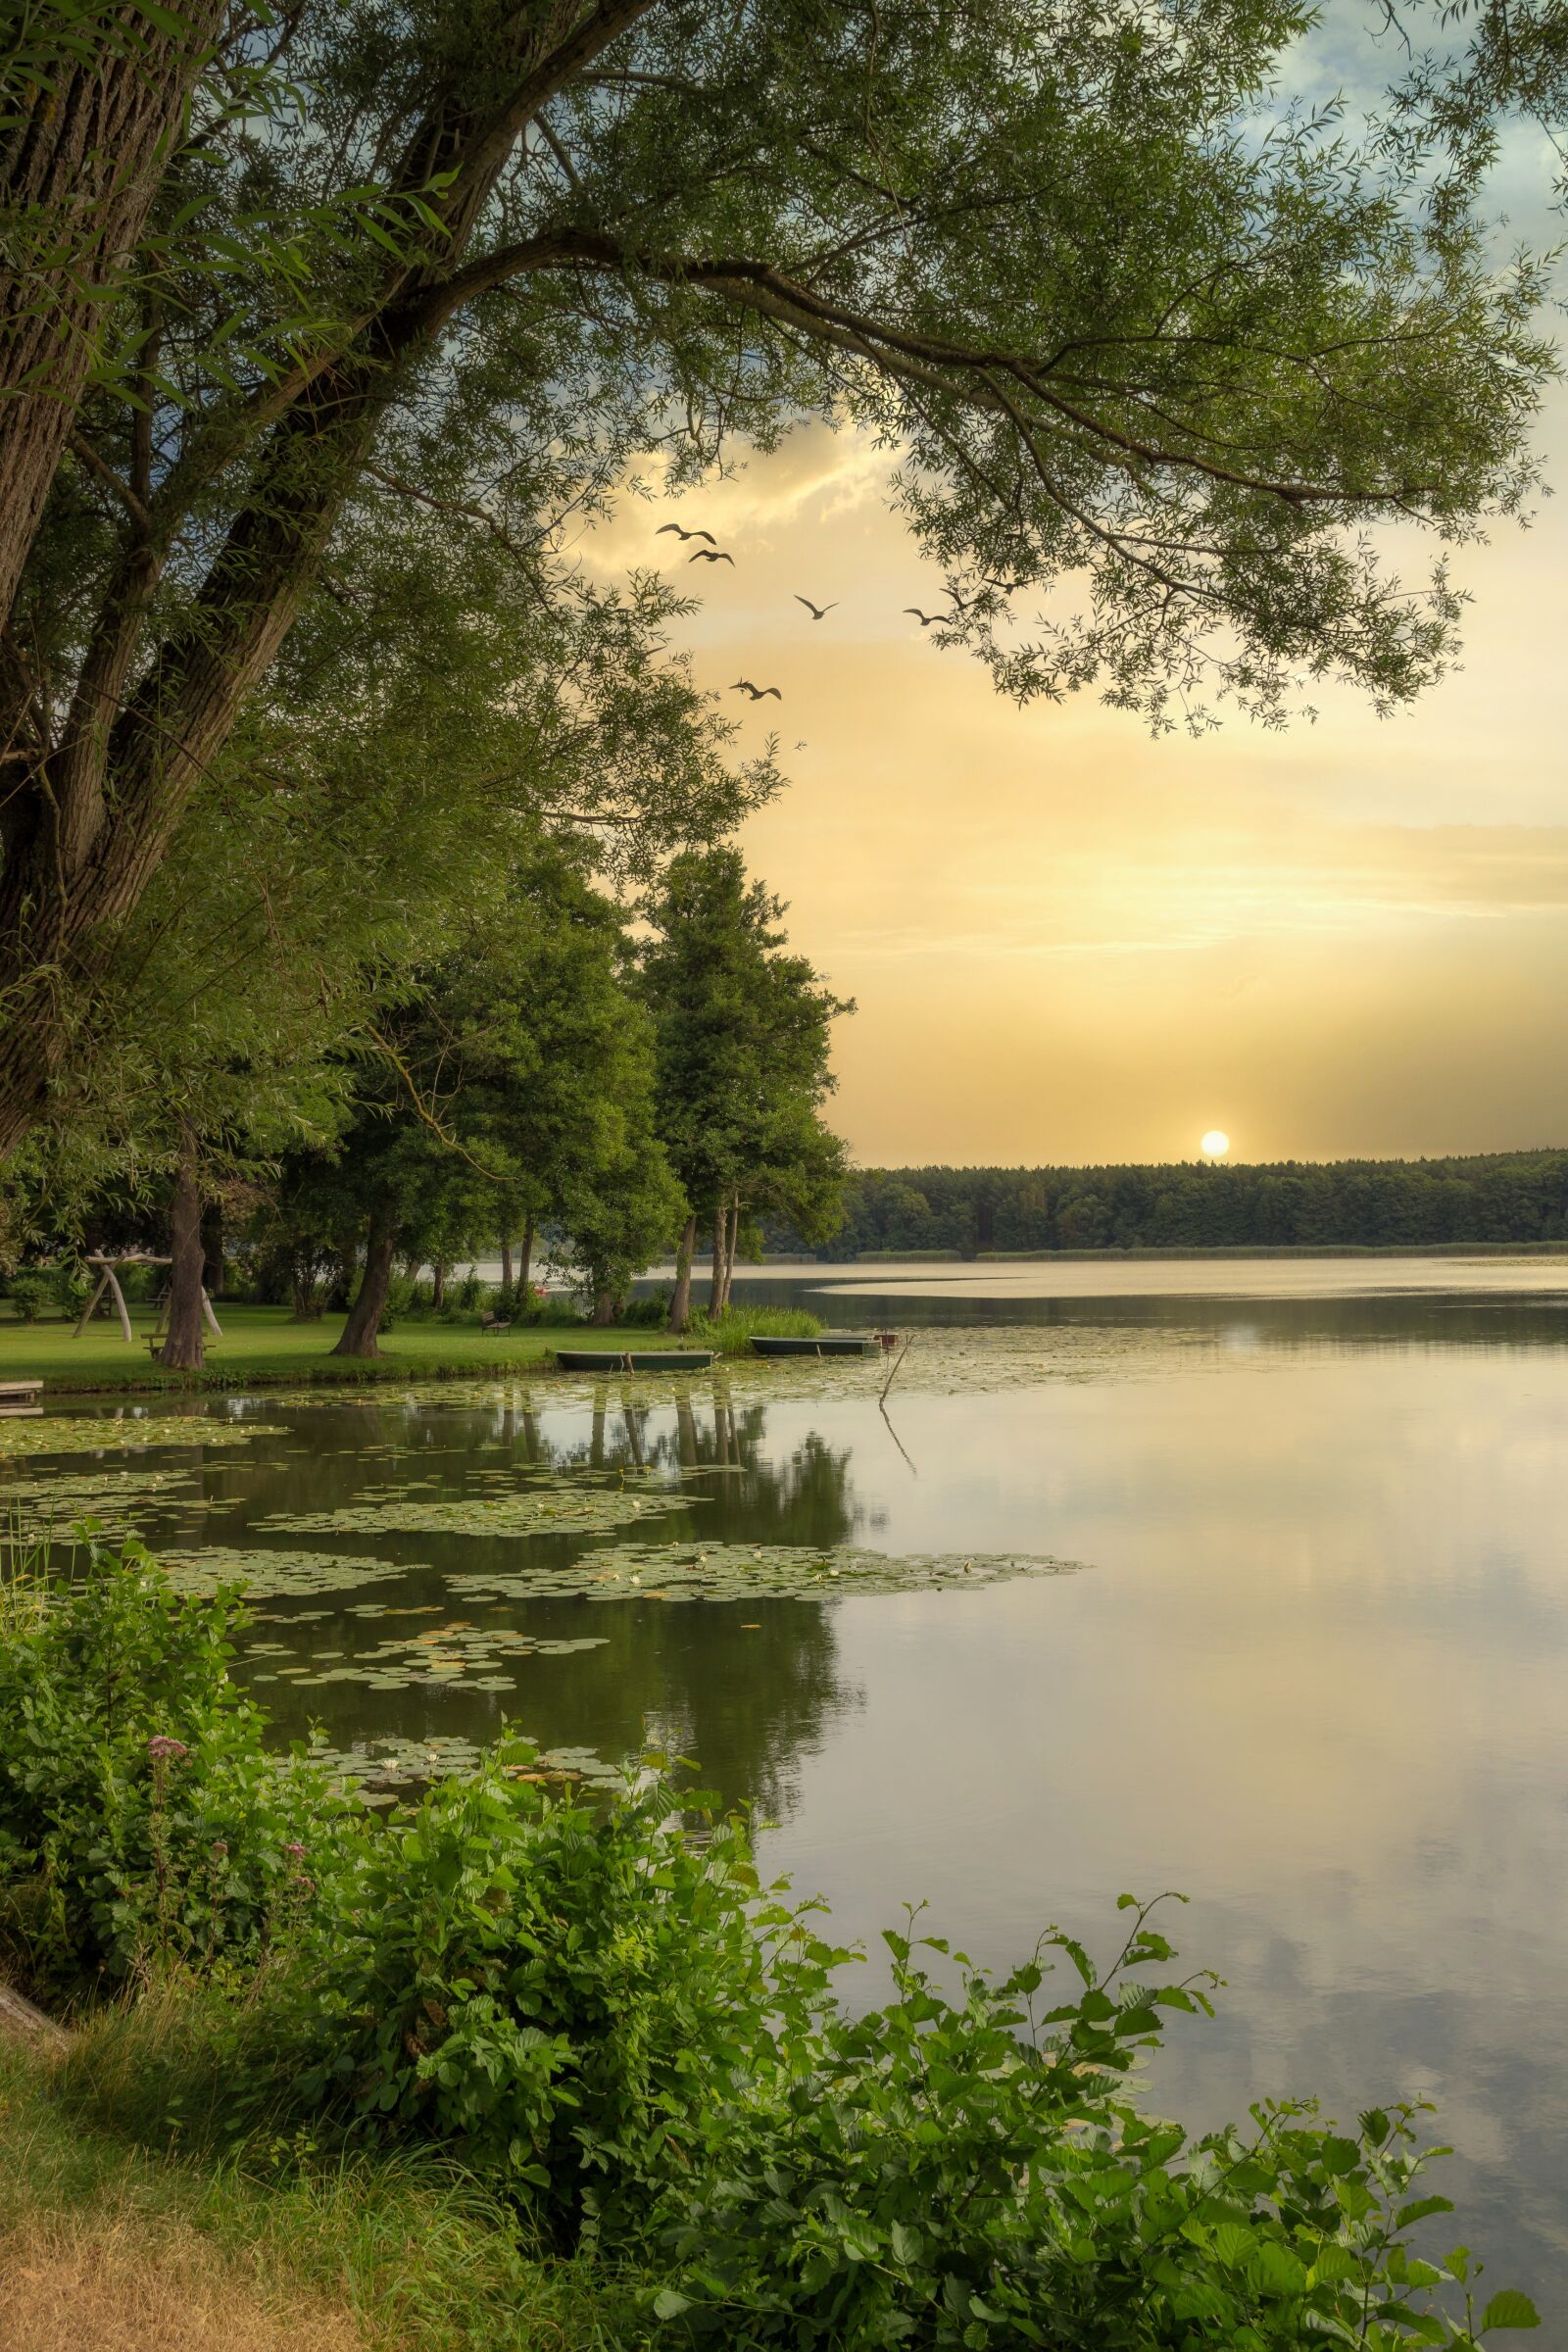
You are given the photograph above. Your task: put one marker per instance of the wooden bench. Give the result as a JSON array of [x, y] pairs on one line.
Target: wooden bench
[[496, 1323]]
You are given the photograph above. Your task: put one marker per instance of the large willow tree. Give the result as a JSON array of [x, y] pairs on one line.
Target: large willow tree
[[1155, 354]]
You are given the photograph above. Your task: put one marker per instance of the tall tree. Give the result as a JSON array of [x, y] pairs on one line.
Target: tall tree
[[743, 1039], [1127, 339]]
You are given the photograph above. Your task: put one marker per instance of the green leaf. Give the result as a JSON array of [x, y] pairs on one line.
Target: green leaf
[[1510, 2309], [668, 2305], [1408, 2215]]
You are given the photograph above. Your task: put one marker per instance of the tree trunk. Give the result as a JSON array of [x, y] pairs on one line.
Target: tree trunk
[[605, 1304], [78, 169], [183, 1347], [438, 1284], [213, 1249], [716, 1280], [681, 1304], [506, 1267], [730, 1239], [365, 1315], [525, 1265]]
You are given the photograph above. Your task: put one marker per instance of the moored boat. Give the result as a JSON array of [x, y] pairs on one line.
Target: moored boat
[[633, 1359]]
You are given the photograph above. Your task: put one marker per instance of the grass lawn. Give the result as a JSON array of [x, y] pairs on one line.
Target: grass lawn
[[259, 1343], [108, 2244]]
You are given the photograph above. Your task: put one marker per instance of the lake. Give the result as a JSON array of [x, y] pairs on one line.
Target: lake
[[1310, 1666]]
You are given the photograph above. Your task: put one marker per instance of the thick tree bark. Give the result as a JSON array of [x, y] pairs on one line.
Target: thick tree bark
[[213, 1249], [183, 1347], [438, 1284], [681, 1304], [605, 1304], [78, 173], [525, 1265], [369, 1301], [506, 1267]]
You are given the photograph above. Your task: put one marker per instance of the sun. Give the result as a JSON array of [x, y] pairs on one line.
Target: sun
[[1215, 1144]]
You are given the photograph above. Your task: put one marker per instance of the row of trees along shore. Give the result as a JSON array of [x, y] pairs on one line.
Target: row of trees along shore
[[550, 1078], [327, 330], [1519, 1197]]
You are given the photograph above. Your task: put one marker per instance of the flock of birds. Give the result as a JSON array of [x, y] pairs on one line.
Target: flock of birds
[[712, 553]]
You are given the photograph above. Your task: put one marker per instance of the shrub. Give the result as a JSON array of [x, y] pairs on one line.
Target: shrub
[[550, 1987], [965, 2172], [31, 1290], [139, 1812]]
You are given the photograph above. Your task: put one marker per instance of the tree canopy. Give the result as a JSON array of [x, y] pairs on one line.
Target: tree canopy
[[1154, 349]]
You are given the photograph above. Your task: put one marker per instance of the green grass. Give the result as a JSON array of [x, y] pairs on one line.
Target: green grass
[[732, 1332], [416, 2253], [260, 1344]]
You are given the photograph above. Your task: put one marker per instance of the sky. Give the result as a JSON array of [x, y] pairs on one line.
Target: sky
[[1071, 942]]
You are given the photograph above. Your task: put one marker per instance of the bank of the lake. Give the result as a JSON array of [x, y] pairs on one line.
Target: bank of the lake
[[262, 1347]]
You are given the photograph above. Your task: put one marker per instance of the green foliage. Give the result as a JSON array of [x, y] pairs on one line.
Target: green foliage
[[732, 1332], [551, 1988], [743, 1039], [597, 2011], [964, 2168], [139, 1814]]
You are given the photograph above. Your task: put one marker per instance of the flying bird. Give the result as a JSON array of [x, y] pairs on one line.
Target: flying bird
[[709, 555], [816, 610], [675, 526], [926, 618], [756, 693]]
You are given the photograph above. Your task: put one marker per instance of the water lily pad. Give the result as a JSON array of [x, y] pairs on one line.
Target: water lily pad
[[274, 1575], [392, 1761], [545, 1507], [127, 1433], [753, 1572]]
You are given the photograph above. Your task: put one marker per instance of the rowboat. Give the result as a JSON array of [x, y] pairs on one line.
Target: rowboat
[[633, 1359], [830, 1342]]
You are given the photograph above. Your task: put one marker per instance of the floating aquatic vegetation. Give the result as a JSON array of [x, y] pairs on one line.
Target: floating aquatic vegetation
[[127, 1433], [393, 1761], [34, 1510], [276, 1574], [445, 1653], [546, 1507], [752, 1572]]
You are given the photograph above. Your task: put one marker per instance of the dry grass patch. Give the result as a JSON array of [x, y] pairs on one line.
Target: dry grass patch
[[116, 2285]]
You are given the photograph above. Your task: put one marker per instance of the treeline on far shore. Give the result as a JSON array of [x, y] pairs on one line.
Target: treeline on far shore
[[1501, 1199]]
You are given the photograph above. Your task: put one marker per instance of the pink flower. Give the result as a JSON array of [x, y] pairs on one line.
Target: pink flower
[[163, 1749], [295, 1852]]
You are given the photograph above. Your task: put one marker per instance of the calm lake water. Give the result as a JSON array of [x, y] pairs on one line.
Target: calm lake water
[[1313, 1670]]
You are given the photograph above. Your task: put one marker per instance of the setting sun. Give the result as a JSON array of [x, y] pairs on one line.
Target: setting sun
[[1215, 1144]]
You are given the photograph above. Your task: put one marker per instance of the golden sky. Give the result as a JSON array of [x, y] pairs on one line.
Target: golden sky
[[1071, 942]]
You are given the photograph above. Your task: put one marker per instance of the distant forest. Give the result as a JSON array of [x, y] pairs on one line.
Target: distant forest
[[1503, 1197]]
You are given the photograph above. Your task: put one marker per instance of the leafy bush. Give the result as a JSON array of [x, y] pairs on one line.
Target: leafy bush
[[550, 1987], [32, 1291], [140, 1815], [968, 2172], [651, 1313], [600, 2014]]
